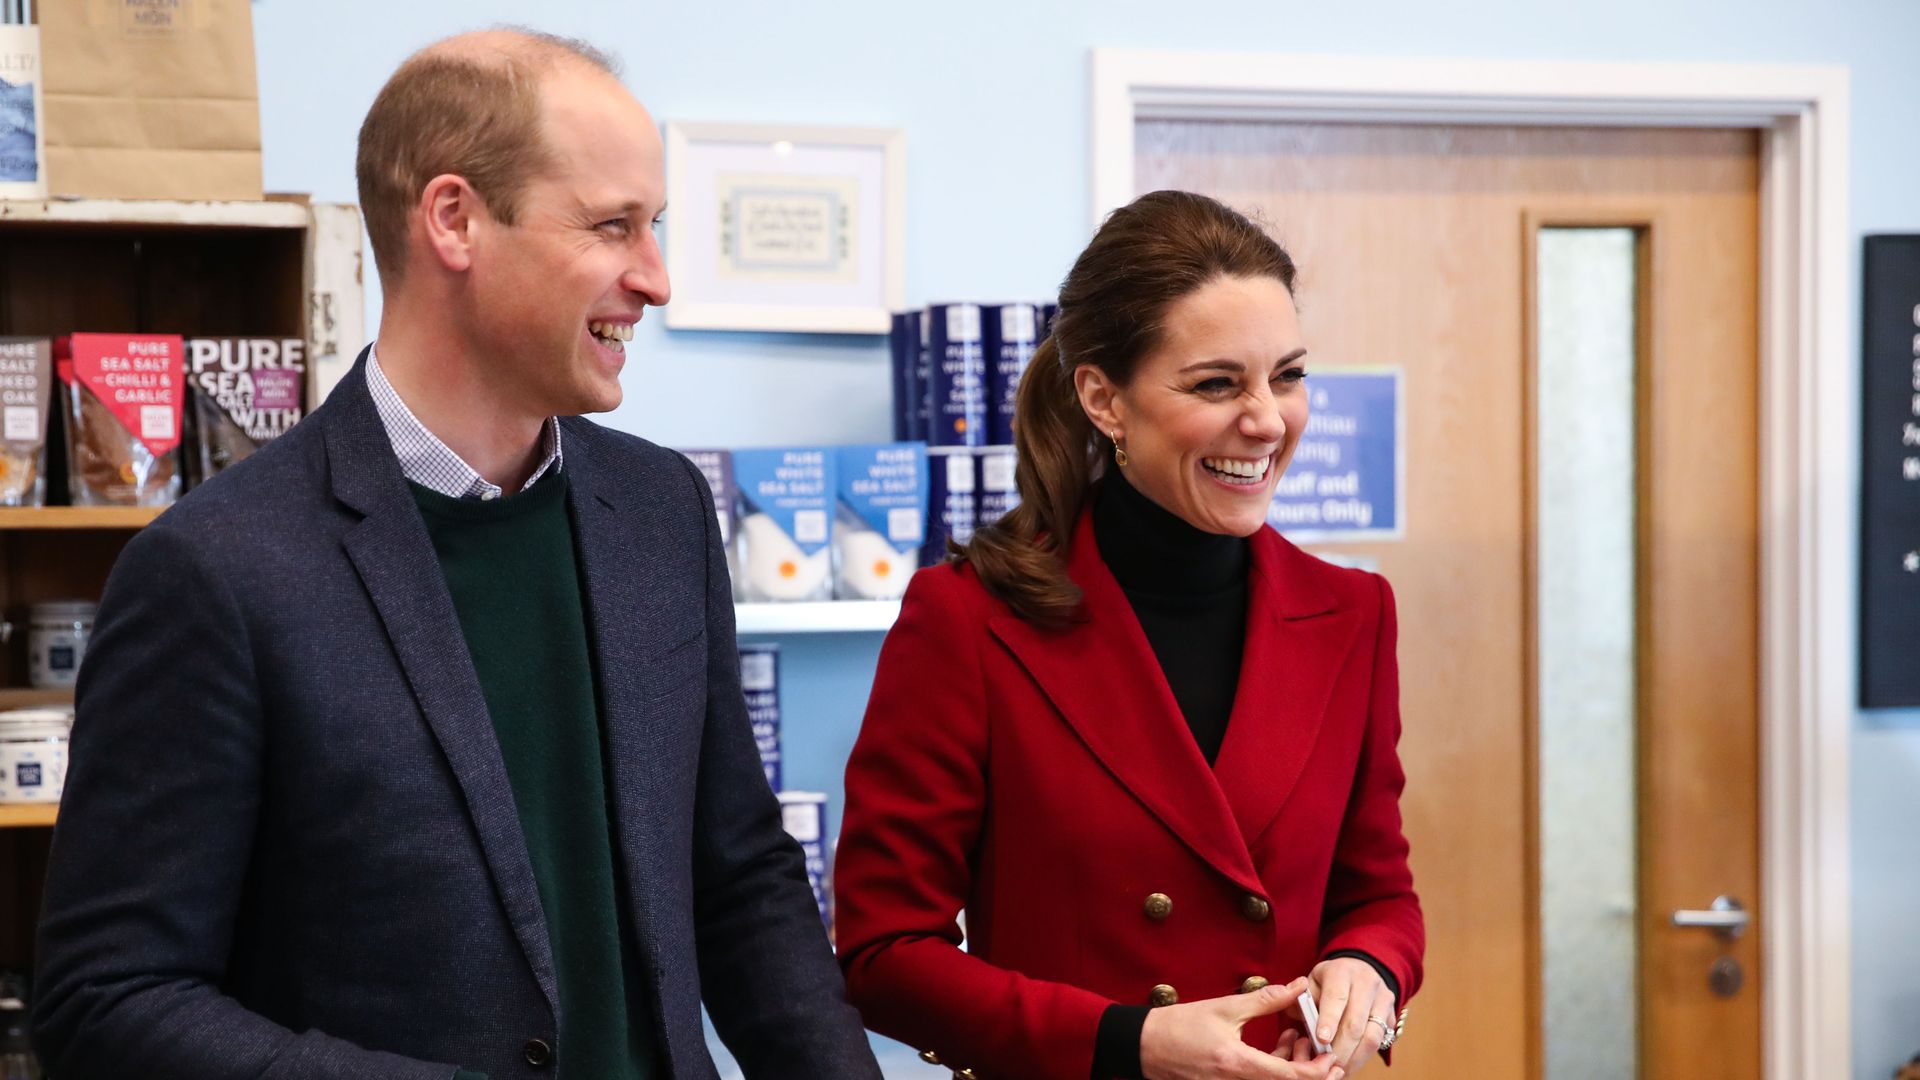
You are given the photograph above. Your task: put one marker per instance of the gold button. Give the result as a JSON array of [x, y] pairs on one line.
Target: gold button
[[1163, 995], [929, 1057], [1254, 908], [964, 1074], [1159, 906], [1254, 982]]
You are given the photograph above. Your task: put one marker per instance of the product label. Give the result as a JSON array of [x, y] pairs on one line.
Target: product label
[[149, 18], [1017, 323], [909, 397], [258, 382], [998, 491], [20, 126], [138, 378], [717, 467], [760, 683], [923, 380], [950, 500], [885, 488], [21, 423], [804, 814], [26, 387], [793, 487], [1010, 341], [905, 523], [959, 389]]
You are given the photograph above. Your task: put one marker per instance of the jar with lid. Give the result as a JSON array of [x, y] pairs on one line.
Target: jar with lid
[[33, 754], [57, 640], [16, 1046]]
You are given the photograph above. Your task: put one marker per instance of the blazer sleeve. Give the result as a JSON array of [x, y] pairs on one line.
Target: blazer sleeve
[[775, 994], [916, 797], [152, 846], [1371, 906]]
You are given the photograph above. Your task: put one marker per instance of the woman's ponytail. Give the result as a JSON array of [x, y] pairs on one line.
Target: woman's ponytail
[[1021, 557]]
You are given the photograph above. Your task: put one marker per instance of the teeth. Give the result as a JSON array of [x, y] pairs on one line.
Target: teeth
[[1237, 469], [611, 331]]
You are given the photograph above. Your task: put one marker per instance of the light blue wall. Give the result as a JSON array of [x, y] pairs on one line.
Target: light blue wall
[[993, 96]]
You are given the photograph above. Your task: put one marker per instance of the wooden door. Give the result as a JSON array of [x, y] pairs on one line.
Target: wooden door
[[1417, 249]]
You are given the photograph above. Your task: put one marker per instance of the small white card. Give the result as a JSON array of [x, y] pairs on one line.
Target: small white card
[[22, 423], [810, 526], [1311, 1013]]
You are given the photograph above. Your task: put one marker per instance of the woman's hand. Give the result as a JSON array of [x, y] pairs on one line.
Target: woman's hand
[[1349, 992], [1201, 1041]]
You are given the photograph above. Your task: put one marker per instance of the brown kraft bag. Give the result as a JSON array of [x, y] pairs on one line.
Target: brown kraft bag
[[150, 99]]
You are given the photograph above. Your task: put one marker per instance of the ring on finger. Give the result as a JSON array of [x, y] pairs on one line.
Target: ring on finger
[[1384, 1029]]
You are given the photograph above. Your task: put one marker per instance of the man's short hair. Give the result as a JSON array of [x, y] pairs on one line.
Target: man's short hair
[[470, 112]]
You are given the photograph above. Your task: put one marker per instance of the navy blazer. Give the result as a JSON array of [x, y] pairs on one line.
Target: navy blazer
[[288, 848]]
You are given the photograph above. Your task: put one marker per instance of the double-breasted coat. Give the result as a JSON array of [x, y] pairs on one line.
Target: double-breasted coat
[[1045, 783]]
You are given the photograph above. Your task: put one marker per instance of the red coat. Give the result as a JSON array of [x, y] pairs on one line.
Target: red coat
[[1046, 783]]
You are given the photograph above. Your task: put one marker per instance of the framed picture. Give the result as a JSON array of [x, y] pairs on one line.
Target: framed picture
[[777, 227]]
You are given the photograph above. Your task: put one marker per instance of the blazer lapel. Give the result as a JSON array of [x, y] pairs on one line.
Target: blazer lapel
[[642, 604], [1103, 678], [394, 556], [1297, 642]]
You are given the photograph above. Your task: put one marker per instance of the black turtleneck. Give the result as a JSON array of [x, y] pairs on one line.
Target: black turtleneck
[[1188, 589]]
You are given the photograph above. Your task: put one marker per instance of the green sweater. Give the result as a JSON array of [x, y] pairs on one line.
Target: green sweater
[[510, 565]]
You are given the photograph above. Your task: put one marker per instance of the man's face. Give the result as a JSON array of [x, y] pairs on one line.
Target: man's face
[[555, 295]]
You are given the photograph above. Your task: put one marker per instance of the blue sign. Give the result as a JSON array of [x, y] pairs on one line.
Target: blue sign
[[1347, 479]]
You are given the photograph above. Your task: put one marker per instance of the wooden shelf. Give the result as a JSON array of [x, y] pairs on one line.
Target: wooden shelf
[[817, 617], [27, 697], [28, 815], [78, 517], [162, 212]]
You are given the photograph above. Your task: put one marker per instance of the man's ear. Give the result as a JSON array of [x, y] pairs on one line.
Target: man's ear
[[449, 209], [1101, 400]]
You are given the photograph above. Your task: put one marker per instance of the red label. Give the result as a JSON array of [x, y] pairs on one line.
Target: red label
[[138, 378]]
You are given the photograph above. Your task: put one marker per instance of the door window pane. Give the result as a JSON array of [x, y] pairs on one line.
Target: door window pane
[[1585, 453]]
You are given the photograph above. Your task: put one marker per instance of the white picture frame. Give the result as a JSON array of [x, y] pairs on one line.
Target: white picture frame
[[779, 227]]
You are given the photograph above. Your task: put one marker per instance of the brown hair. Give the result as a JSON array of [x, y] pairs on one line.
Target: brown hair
[[468, 106], [1146, 256]]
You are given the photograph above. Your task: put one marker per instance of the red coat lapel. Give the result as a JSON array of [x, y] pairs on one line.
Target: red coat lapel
[[1297, 644], [1102, 676]]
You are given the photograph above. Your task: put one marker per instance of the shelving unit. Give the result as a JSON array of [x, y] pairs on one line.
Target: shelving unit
[[280, 267], [77, 517], [823, 617], [27, 697], [28, 815]]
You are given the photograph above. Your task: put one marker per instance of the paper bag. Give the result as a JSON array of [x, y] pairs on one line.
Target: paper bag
[[150, 99]]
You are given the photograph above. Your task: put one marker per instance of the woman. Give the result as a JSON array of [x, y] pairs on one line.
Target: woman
[[1147, 745]]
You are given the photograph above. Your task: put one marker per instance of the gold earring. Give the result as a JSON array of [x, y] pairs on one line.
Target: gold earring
[[1120, 457]]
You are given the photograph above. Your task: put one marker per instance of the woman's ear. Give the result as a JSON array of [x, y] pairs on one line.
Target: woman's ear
[[1100, 398]]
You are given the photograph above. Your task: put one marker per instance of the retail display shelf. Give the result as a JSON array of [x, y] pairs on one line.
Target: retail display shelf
[[78, 517], [160, 212], [822, 617], [27, 697], [28, 815]]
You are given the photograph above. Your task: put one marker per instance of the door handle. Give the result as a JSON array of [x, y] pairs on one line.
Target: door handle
[[1725, 917]]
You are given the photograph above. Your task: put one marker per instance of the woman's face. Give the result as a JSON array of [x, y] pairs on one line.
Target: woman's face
[[1211, 417]]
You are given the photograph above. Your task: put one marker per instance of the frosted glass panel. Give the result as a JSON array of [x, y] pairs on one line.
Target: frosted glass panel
[[1586, 292]]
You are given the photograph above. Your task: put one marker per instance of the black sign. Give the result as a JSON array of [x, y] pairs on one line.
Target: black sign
[[1890, 489]]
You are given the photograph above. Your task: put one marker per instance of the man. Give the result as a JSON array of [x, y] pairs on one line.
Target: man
[[414, 746]]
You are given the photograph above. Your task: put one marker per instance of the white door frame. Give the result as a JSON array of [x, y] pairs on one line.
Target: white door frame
[[1807, 441]]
